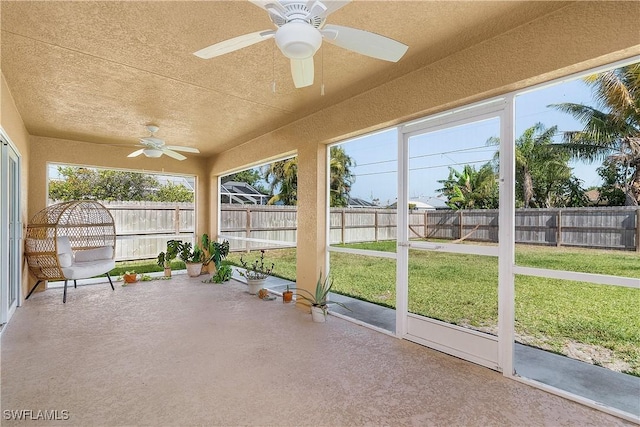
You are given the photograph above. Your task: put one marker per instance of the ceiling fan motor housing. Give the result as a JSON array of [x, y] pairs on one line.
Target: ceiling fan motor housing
[[298, 40], [152, 152]]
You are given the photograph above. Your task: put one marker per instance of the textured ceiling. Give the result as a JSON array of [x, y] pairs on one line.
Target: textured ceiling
[[100, 71]]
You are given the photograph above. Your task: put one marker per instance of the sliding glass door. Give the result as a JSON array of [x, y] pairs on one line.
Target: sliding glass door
[[10, 231]]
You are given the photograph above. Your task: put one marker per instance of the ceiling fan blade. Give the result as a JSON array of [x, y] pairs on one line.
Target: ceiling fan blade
[[364, 42], [136, 153], [317, 8], [302, 72], [269, 4], [173, 154], [330, 5], [234, 44], [183, 149], [273, 7]]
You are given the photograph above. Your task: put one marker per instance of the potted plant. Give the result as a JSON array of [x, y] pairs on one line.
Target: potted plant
[[320, 299], [192, 257], [256, 273], [223, 274], [130, 277], [287, 296], [213, 251], [165, 258]]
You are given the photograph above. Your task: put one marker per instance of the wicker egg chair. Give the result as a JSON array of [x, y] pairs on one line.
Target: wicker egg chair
[[70, 241]]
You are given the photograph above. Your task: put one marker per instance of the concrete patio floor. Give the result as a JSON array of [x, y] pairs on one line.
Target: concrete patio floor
[[617, 390], [182, 352]]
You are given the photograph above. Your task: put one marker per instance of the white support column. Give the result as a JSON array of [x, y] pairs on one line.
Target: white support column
[[506, 237], [402, 212]]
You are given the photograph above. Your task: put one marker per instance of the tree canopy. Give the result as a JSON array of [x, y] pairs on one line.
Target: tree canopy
[[471, 188], [79, 183], [611, 130], [543, 175]]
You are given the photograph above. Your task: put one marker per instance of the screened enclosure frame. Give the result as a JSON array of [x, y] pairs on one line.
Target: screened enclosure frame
[[504, 107]]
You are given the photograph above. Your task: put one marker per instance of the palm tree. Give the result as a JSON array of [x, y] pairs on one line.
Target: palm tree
[[283, 177], [471, 188], [341, 178], [611, 132], [540, 171]]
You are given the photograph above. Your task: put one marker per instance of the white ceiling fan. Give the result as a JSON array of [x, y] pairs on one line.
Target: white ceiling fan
[[155, 147], [300, 31]]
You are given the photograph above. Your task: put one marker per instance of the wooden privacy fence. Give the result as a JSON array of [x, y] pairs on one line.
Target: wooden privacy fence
[[601, 227], [241, 223], [143, 228]]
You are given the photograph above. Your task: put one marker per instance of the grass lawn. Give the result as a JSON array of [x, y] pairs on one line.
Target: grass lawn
[[556, 315], [142, 267]]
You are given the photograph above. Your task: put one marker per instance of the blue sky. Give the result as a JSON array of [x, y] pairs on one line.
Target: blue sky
[[431, 155]]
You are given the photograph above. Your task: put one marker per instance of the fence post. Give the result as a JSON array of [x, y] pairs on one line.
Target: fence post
[[342, 220], [461, 229], [638, 230], [425, 225], [247, 231], [559, 228], [376, 224], [176, 224]]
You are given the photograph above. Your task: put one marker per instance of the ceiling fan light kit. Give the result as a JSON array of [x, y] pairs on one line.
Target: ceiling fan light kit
[[152, 152], [155, 147], [300, 31], [298, 40]]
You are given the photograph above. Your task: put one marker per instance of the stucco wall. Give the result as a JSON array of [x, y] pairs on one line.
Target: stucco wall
[[13, 126], [50, 150], [576, 38]]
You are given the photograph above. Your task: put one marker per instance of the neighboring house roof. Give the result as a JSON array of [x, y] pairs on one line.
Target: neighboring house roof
[[417, 205], [355, 202], [242, 193], [422, 205]]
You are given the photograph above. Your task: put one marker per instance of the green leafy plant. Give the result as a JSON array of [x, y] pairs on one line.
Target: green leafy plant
[[222, 275], [145, 278], [189, 254], [165, 258], [321, 296], [257, 270], [214, 251]]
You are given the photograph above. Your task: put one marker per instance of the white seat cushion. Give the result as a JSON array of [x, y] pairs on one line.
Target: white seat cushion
[[104, 252], [65, 255], [84, 270]]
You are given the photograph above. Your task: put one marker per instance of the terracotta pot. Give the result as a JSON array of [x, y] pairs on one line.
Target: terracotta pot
[[287, 296], [130, 278], [255, 285], [167, 272], [318, 314], [194, 269]]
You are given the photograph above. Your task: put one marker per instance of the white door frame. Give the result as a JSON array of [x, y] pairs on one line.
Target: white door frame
[[477, 347], [10, 231]]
